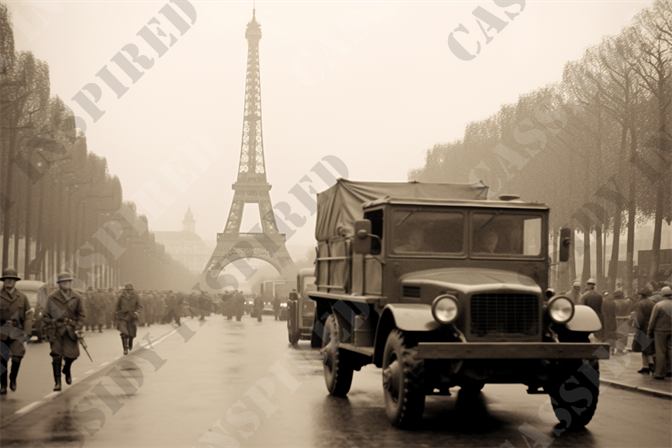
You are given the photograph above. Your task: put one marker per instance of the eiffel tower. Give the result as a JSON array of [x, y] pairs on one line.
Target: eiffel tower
[[251, 186]]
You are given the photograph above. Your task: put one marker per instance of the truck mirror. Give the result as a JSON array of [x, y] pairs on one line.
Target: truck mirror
[[565, 243], [362, 243]]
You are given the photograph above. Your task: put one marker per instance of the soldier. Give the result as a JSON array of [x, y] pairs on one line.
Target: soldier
[[110, 303], [159, 307], [575, 293], [142, 298], [86, 303], [594, 300], [102, 308], [276, 307], [258, 307], [63, 316], [92, 309], [640, 343], [609, 318], [16, 318], [202, 304], [148, 307], [239, 305], [660, 328], [127, 308]]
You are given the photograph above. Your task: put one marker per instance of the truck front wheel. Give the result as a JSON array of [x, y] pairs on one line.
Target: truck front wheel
[[573, 387], [403, 379], [338, 369]]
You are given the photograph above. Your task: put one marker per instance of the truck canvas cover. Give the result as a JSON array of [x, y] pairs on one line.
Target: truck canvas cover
[[341, 205]]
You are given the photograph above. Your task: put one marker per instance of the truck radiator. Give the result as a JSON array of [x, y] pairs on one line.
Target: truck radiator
[[504, 314]]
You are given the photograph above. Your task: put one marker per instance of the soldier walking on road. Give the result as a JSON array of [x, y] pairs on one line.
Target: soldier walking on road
[[258, 307], [16, 318], [594, 300], [609, 318], [127, 308], [63, 317], [276, 307], [660, 328]]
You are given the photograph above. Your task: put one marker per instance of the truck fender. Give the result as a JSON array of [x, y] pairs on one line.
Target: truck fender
[[406, 317], [584, 319]]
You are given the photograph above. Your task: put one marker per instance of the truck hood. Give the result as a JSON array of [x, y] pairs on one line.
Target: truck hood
[[471, 280]]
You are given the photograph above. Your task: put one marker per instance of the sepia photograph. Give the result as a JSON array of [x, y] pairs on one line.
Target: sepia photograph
[[450, 224]]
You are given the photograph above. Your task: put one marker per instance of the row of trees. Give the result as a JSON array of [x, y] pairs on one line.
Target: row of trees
[[596, 147], [58, 199]]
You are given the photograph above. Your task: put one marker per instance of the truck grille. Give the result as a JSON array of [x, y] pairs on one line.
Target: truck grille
[[504, 314]]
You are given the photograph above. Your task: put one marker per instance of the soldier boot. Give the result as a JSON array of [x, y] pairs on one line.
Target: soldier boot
[[66, 370], [3, 377], [56, 365], [124, 341], [16, 363], [130, 343]]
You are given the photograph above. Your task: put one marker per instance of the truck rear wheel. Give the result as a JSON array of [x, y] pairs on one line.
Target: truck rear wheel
[[573, 389], [403, 379], [338, 369]]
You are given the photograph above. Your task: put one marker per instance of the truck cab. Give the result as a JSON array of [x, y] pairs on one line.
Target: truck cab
[[301, 309], [442, 287]]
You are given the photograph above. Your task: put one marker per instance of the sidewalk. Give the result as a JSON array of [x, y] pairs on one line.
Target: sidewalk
[[620, 371]]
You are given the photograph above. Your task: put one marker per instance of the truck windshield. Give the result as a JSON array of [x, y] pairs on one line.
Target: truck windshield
[[428, 231], [506, 233]]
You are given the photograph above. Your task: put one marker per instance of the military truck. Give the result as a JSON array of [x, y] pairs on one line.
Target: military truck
[[301, 309], [440, 287]]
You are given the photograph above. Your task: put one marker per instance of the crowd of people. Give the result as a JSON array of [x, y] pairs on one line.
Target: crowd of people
[[66, 313], [647, 318]]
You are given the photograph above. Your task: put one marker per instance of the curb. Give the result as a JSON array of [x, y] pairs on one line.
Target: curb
[[643, 390]]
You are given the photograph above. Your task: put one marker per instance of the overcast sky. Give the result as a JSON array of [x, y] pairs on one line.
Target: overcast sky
[[373, 83]]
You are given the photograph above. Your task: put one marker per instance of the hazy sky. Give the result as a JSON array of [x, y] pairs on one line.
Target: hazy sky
[[373, 83]]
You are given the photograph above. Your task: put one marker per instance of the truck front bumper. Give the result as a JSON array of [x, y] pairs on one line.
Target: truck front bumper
[[511, 350]]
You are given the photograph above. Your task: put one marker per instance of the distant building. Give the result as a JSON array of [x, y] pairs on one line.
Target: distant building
[[186, 246]]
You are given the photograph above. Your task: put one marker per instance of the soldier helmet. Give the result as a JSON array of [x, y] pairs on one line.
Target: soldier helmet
[[666, 291], [129, 285], [64, 277], [591, 281], [576, 284], [10, 273]]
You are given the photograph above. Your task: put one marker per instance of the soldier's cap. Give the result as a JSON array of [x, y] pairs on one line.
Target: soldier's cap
[[591, 281], [666, 291], [577, 284], [10, 273], [64, 277], [129, 285], [605, 293]]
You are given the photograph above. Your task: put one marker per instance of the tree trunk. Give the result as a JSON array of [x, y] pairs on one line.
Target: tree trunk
[[599, 268], [616, 241], [632, 211], [585, 273], [8, 193], [666, 146], [571, 263], [26, 256]]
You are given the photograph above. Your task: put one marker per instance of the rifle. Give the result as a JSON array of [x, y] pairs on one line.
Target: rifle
[[80, 338]]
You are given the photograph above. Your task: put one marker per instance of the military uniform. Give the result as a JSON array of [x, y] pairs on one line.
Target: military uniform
[[110, 303], [660, 328], [594, 300], [63, 315], [128, 305], [16, 319]]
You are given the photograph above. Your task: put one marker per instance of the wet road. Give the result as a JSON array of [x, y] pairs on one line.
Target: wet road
[[229, 383]]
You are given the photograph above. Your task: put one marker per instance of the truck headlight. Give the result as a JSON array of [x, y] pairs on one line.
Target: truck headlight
[[444, 309], [561, 310]]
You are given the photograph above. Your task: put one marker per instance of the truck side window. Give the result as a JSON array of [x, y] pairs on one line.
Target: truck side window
[[376, 218]]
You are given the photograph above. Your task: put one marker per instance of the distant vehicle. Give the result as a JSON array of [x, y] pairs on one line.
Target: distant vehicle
[[275, 288], [301, 309]]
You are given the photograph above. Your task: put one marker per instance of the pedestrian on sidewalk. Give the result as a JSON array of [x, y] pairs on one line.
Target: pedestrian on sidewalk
[[127, 308], [16, 319], [641, 343], [63, 318], [594, 300], [609, 319], [660, 328], [276, 307]]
